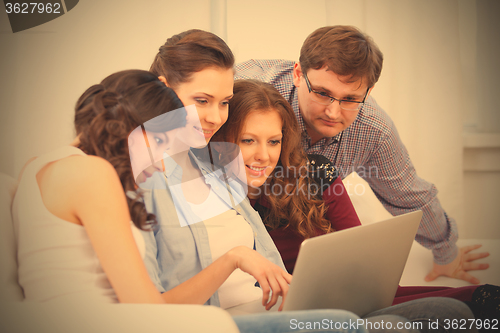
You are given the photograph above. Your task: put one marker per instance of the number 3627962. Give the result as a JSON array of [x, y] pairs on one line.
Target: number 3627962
[[33, 8]]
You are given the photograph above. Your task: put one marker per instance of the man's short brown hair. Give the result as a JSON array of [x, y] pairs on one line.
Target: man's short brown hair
[[345, 50]]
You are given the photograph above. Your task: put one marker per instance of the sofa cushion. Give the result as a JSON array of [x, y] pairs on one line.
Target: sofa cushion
[[365, 202]]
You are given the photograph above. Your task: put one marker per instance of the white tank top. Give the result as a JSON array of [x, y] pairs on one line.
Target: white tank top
[[227, 229], [55, 257]]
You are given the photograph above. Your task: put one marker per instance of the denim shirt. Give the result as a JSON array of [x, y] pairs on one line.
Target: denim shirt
[[179, 247]]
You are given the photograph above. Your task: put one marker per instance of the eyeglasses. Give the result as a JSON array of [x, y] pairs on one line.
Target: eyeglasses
[[323, 99]]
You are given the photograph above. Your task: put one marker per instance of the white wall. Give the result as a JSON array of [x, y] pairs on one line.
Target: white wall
[[43, 70]]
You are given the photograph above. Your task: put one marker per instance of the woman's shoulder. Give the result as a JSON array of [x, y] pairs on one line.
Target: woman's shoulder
[[82, 166], [88, 162], [66, 181], [76, 173]]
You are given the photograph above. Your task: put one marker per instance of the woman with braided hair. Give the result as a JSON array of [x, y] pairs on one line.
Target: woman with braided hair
[[71, 214]]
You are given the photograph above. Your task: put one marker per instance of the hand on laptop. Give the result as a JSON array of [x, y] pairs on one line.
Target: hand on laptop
[[458, 268], [270, 276]]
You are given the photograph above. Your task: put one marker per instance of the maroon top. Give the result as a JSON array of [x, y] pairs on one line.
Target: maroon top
[[340, 213]]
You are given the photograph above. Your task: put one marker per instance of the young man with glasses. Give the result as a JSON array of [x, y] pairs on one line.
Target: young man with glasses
[[329, 90]]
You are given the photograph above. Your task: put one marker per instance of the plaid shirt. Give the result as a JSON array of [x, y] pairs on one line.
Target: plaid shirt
[[371, 147]]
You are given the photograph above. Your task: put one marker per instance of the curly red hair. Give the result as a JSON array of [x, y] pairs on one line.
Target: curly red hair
[[304, 213]]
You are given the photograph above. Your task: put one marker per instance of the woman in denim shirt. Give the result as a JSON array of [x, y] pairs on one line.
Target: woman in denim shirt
[[207, 235]]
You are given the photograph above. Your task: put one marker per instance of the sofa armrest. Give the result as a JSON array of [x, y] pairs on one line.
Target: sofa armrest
[[9, 288]]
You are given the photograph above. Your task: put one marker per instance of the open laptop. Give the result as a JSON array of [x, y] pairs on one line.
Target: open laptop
[[356, 269]]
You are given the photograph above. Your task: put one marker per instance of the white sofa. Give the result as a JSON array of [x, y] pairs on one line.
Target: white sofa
[[17, 315]]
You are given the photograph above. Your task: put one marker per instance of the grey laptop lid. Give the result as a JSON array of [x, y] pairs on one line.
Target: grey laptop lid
[[356, 269]]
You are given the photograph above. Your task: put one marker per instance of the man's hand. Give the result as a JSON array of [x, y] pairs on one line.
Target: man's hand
[[458, 268]]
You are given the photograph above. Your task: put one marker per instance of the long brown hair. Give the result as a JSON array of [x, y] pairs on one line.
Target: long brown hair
[[304, 213], [105, 115], [190, 52]]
